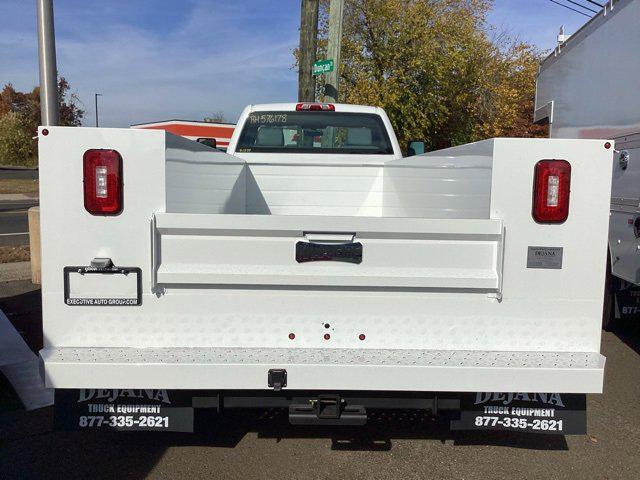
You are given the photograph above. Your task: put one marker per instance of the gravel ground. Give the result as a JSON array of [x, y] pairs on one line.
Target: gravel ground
[[261, 444], [11, 254]]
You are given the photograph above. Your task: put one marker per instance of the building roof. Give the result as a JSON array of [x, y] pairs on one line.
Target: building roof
[[190, 122]]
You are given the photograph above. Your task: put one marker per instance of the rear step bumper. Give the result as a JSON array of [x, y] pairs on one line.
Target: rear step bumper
[[324, 369]]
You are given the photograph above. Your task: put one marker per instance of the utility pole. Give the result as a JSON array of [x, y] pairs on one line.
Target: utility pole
[[308, 44], [336, 9], [49, 102], [97, 95]]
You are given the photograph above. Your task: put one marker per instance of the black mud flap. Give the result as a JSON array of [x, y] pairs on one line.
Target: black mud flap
[[627, 297], [549, 413], [124, 409]]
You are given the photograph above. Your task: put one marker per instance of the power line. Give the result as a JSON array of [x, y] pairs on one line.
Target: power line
[[595, 3], [582, 6], [569, 8]]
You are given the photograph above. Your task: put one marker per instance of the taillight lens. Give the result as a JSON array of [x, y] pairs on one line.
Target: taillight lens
[[102, 173], [551, 191], [315, 107]]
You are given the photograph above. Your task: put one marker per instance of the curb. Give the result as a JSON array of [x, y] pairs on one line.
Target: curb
[[18, 168]]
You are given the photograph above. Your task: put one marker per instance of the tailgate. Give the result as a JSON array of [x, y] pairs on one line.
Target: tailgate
[[367, 252]]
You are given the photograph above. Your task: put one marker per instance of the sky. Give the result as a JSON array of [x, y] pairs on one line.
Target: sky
[[186, 59]]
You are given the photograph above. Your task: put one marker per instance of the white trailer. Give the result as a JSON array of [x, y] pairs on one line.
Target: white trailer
[[588, 88], [313, 267]]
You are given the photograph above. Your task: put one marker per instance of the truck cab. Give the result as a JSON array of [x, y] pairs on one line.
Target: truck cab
[[303, 131]]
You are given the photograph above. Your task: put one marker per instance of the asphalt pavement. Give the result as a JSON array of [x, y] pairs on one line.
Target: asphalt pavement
[[260, 444], [14, 226], [18, 173], [14, 222]]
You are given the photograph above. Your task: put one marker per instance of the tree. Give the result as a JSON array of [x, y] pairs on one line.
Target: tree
[[17, 146], [217, 117], [22, 112], [435, 68]]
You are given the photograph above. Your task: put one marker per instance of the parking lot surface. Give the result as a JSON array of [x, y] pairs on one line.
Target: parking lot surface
[[261, 444]]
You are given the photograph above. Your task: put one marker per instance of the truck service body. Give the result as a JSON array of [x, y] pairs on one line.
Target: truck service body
[[313, 267], [588, 88]]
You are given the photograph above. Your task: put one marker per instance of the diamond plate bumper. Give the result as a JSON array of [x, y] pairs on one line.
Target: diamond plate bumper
[[324, 369]]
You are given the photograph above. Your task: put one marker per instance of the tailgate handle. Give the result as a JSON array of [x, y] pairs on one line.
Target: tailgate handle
[[325, 237], [338, 247]]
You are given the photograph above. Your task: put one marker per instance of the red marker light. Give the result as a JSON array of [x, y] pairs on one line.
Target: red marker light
[[607, 145], [315, 107], [292, 336], [361, 336], [327, 336], [45, 132]]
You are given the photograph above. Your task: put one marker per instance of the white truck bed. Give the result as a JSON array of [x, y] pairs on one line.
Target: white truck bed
[[443, 298]]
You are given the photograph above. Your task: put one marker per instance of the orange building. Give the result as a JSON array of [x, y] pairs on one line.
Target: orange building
[[221, 132]]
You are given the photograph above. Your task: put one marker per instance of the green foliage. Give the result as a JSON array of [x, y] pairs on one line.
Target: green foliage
[[437, 68], [16, 145], [20, 117]]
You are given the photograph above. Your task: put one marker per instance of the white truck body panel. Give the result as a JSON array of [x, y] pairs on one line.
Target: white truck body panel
[[443, 294], [588, 88]]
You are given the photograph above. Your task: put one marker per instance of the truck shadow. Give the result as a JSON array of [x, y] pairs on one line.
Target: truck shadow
[[629, 332], [30, 449], [382, 428], [24, 311]]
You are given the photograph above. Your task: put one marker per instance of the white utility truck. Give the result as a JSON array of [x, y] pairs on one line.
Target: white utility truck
[[588, 88], [313, 267]]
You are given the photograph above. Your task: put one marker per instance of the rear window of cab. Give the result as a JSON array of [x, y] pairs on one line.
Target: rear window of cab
[[314, 132]]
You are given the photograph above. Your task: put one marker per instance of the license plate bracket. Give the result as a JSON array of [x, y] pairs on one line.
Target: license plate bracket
[[123, 300]]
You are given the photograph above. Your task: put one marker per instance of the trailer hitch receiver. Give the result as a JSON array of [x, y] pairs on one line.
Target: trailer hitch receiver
[[327, 409]]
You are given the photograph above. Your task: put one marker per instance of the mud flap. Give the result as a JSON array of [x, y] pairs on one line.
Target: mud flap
[[124, 409], [627, 300], [548, 413]]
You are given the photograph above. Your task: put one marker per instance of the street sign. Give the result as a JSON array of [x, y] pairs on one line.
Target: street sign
[[322, 66]]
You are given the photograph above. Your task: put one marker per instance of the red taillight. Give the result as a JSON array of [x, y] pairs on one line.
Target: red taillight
[[315, 107], [102, 174], [551, 190]]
